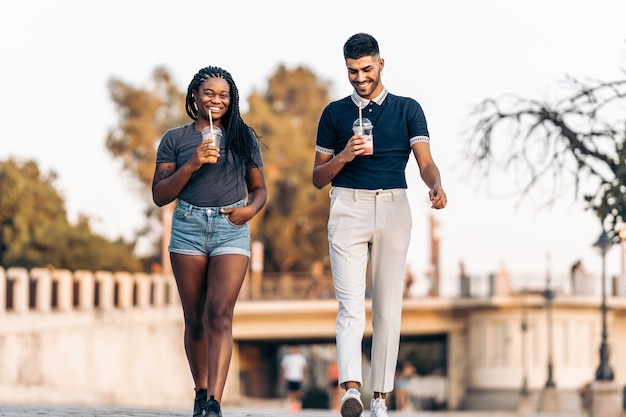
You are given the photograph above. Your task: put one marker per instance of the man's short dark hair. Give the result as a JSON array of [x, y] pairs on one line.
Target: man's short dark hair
[[360, 45]]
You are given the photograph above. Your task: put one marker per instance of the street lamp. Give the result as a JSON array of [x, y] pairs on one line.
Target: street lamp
[[550, 401], [525, 403], [524, 392], [604, 372], [549, 295]]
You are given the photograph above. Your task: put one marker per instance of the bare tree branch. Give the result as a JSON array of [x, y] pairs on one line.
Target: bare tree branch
[[577, 142]]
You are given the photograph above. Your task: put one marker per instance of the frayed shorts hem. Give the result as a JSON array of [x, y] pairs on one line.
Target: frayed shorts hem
[[220, 251]]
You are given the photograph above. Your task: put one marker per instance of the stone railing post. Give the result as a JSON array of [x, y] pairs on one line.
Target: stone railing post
[[125, 283], [104, 281], [43, 289], [64, 280], [85, 291], [19, 295], [166, 290], [158, 285], [143, 283]]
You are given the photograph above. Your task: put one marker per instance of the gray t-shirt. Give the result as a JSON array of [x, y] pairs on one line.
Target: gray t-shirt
[[213, 185]]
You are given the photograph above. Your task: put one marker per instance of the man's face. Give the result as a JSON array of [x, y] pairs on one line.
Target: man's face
[[364, 75]]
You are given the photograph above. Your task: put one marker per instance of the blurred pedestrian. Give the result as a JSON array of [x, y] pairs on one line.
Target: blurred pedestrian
[[293, 368]]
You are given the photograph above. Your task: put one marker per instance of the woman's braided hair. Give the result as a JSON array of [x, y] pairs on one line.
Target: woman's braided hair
[[241, 137]]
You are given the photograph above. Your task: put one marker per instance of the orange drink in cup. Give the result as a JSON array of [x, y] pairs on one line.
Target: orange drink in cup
[[213, 136]]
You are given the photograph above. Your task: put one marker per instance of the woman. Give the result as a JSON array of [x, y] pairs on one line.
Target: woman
[[210, 238]]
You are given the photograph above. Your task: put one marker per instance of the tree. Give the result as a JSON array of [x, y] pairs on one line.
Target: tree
[[144, 117], [576, 142], [35, 232], [293, 224]]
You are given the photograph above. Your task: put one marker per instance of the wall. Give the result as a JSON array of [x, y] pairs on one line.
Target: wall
[[117, 341], [117, 338]]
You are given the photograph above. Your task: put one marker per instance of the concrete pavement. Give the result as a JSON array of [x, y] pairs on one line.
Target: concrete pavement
[[58, 411]]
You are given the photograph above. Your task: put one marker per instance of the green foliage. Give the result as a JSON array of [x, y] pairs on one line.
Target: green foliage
[[35, 232], [144, 116]]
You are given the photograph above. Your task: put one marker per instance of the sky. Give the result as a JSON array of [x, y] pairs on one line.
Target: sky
[[56, 59]]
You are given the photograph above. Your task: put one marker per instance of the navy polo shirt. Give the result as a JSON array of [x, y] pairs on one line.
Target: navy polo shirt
[[398, 123]]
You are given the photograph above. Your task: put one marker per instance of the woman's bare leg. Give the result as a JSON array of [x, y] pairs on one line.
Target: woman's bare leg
[[190, 273], [225, 277]]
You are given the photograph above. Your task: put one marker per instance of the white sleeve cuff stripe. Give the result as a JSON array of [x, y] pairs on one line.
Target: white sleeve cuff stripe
[[324, 150], [416, 139]]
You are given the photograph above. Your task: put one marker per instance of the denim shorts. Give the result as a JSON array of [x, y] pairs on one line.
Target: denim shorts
[[207, 232]]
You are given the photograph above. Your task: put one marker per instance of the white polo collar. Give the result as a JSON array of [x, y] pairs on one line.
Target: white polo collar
[[356, 98]]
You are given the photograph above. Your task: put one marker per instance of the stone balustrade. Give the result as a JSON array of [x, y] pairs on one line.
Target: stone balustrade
[[48, 289], [91, 338]]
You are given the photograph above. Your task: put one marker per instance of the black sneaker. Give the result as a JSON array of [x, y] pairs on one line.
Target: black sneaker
[[213, 408], [200, 403]]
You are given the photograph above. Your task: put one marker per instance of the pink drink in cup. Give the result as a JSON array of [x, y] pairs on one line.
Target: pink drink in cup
[[365, 128]]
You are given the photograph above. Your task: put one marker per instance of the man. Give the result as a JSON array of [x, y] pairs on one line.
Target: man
[[370, 216], [292, 372]]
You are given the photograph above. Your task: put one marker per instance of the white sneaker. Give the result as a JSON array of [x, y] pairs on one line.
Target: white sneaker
[[351, 404], [378, 408]]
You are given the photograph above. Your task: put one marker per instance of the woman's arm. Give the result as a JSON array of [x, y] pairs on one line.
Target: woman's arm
[[257, 197], [169, 180]]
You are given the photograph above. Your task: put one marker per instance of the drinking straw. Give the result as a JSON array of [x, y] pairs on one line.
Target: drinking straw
[[360, 118], [211, 123]]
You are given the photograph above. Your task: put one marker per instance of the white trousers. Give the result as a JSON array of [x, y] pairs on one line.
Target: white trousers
[[374, 224]]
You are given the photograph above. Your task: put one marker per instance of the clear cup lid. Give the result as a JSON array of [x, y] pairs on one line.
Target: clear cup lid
[[216, 129], [365, 121]]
